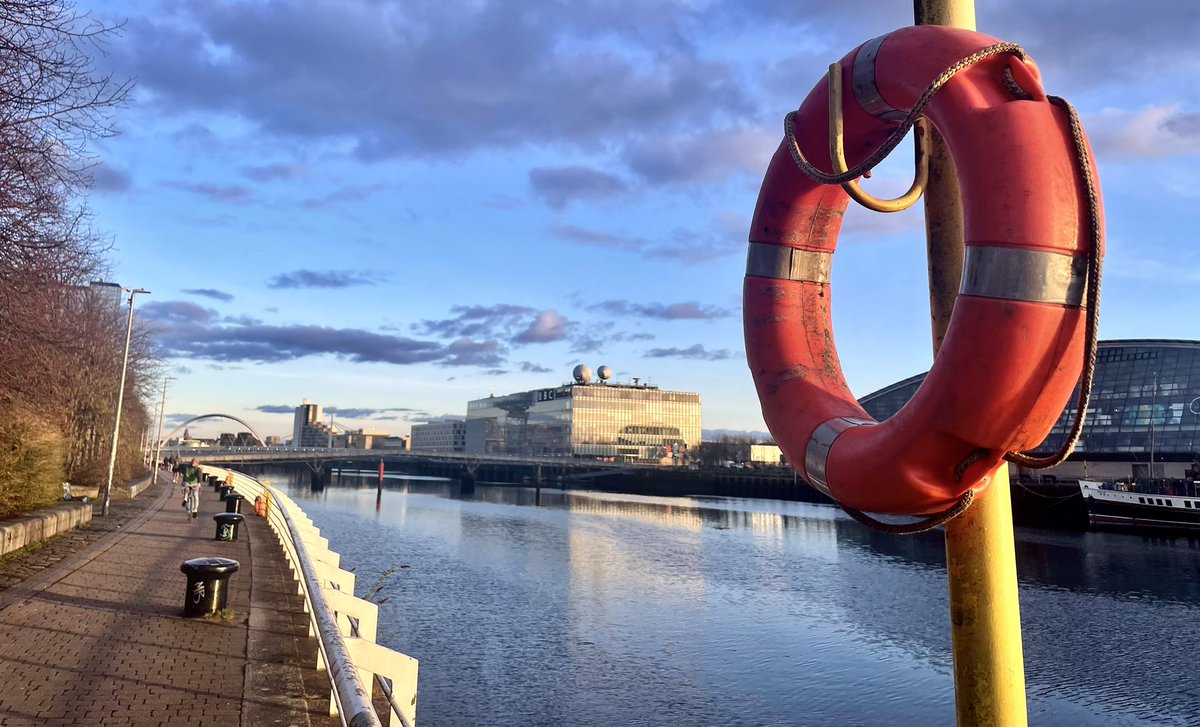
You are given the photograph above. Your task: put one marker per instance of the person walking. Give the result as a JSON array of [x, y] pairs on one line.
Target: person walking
[[191, 487]]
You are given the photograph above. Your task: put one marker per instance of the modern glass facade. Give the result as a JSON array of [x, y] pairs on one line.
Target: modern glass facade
[[609, 421], [1145, 399]]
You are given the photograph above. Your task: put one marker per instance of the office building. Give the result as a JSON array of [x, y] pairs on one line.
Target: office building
[[630, 422]]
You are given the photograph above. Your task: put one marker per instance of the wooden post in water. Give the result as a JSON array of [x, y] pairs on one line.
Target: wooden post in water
[[379, 488], [985, 618]]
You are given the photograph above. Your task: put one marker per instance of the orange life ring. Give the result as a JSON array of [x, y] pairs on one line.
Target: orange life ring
[[1027, 235]]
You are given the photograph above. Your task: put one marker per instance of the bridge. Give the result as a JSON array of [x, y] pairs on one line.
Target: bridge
[[321, 461]]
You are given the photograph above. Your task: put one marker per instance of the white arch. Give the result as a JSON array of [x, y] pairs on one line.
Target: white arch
[[177, 429]]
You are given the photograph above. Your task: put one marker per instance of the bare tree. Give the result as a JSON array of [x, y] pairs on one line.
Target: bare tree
[[58, 340]]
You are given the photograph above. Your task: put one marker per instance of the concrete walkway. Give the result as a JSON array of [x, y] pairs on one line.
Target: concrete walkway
[[98, 639]]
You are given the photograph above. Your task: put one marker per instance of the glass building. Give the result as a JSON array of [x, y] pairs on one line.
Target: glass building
[[618, 422], [1145, 403]]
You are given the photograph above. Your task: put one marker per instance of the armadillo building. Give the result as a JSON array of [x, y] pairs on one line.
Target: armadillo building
[[632, 422], [1143, 418]]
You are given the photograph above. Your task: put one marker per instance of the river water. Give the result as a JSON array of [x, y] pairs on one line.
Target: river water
[[541, 607]]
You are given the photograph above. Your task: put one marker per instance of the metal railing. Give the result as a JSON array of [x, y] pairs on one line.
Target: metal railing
[[344, 626]]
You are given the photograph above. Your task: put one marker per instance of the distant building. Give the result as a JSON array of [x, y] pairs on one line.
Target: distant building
[[307, 428], [273, 440], [393, 442], [439, 437], [767, 454], [360, 439], [603, 420], [241, 439]]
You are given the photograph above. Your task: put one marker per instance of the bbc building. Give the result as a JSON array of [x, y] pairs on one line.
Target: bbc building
[[1143, 418], [618, 422]]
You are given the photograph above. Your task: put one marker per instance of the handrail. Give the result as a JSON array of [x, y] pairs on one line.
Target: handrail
[[350, 697]]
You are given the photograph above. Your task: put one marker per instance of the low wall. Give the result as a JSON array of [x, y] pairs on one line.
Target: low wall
[[19, 532]]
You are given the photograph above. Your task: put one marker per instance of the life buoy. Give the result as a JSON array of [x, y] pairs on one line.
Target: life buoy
[[1013, 351]]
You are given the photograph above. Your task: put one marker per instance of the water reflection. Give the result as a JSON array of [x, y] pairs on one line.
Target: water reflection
[[539, 606]]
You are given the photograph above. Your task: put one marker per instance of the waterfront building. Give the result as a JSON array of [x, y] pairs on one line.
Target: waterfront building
[[307, 428], [439, 437], [768, 454], [1143, 418], [360, 439], [633, 422]]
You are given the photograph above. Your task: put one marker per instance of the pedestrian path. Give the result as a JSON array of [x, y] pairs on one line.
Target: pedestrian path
[[98, 639]]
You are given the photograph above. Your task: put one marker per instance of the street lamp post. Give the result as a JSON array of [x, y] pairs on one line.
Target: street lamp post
[[162, 408], [112, 457]]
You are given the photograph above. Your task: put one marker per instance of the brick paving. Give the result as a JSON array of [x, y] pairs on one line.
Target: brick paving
[[93, 634]]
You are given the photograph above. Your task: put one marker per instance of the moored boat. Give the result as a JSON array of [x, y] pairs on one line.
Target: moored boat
[[1142, 506]]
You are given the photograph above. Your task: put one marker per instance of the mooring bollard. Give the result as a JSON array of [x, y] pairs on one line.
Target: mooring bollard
[[206, 585], [224, 490], [227, 525], [233, 502]]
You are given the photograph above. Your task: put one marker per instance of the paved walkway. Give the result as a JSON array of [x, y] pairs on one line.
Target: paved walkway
[[98, 639]]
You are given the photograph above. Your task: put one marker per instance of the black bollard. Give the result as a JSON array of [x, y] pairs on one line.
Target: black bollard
[[233, 502], [206, 585], [227, 525], [225, 490]]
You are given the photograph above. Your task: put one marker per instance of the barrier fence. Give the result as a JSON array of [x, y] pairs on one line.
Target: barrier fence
[[345, 626]]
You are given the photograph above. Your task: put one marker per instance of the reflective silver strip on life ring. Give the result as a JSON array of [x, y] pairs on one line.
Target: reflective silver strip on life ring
[[862, 80], [788, 263], [816, 456], [1036, 276]]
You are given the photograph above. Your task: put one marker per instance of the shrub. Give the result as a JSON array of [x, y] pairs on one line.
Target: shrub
[[31, 461]]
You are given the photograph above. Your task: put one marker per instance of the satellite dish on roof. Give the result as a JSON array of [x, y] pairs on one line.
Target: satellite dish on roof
[[604, 372], [582, 374]]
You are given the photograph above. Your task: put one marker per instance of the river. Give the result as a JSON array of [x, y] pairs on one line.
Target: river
[[584, 608]]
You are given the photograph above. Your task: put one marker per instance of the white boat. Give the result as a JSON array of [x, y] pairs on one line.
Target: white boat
[[1141, 506]]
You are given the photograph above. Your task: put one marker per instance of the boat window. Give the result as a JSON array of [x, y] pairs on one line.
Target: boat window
[[1142, 500], [1158, 501], [1187, 503], [1170, 504]]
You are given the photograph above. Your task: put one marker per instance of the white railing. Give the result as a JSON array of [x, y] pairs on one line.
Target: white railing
[[345, 626]]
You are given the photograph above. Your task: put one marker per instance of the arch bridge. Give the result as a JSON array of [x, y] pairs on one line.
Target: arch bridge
[[249, 428]]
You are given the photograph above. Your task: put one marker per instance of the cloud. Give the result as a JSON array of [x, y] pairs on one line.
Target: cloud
[[670, 312], [558, 186], [275, 409], [322, 279], [532, 368], [231, 193], [186, 330], [465, 352], [703, 156], [210, 293], [177, 312], [420, 79], [353, 193], [369, 413], [108, 179], [1155, 132], [682, 246], [272, 172], [695, 353], [548, 326], [501, 319], [596, 238]]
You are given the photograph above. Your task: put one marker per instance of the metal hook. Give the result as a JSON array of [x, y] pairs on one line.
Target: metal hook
[[837, 155]]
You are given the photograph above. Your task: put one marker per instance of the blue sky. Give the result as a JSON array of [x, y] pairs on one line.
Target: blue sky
[[391, 208]]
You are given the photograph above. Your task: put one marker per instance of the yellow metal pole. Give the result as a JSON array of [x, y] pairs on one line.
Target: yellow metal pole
[[985, 618]]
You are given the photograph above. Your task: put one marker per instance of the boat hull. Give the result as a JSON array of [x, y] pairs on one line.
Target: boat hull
[[1134, 510]]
